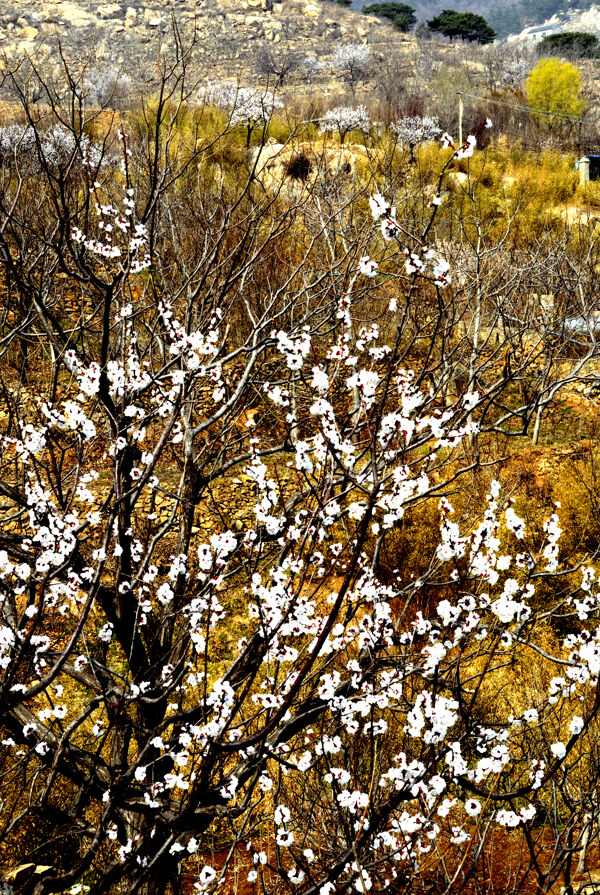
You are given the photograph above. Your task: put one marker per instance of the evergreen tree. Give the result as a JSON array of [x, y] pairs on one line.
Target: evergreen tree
[[466, 25], [401, 15]]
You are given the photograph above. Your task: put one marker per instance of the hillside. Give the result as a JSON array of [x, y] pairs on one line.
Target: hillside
[[231, 34]]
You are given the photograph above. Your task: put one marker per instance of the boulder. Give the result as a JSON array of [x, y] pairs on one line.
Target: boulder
[[109, 11], [29, 33], [457, 178]]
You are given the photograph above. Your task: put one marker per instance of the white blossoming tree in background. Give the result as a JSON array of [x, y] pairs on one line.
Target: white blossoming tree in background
[[247, 106], [352, 62], [174, 670], [414, 129], [106, 86], [344, 119]]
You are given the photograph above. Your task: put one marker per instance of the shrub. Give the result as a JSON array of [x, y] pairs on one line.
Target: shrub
[[554, 93]]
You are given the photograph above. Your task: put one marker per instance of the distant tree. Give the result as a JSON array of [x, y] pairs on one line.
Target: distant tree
[[466, 25], [344, 119], [310, 66], [506, 20], [247, 106], [106, 86], [400, 15], [352, 62], [577, 44], [554, 92], [414, 129], [54, 149], [275, 65]]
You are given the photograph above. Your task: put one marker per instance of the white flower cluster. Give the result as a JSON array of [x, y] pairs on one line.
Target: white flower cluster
[[55, 148], [343, 119], [351, 58], [414, 129], [246, 105], [423, 261], [116, 225]]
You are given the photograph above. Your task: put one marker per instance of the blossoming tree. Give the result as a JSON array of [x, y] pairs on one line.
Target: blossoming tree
[[414, 129], [160, 678], [352, 62], [344, 119]]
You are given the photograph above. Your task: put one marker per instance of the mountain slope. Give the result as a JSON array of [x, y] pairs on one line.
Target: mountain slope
[[231, 34]]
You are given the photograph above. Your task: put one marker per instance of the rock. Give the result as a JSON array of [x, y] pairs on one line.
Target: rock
[[29, 32], [155, 22], [110, 11], [362, 31], [75, 16], [311, 11], [457, 178]]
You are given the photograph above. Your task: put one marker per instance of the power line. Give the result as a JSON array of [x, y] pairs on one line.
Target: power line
[[497, 102]]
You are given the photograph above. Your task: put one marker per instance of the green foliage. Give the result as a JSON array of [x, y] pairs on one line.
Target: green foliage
[[466, 25], [553, 91], [401, 15], [579, 44]]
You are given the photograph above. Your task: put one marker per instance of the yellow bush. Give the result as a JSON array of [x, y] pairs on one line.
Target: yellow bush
[[554, 92]]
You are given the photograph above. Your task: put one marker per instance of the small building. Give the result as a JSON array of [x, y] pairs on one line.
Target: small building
[[588, 167], [540, 31]]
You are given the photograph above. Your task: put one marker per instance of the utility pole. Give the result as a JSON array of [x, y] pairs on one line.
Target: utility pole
[[460, 119]]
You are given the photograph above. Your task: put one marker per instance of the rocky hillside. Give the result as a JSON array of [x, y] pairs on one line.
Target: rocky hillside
[[579, 19], [232, 34]]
